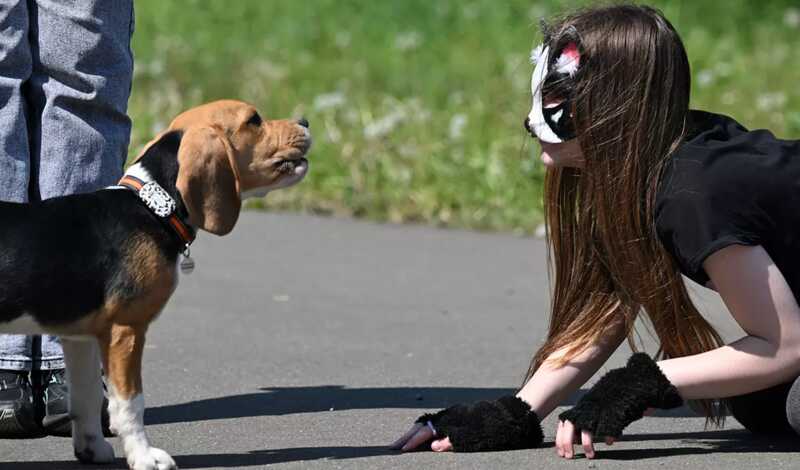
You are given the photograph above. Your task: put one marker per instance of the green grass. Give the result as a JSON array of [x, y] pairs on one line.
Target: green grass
[[416, 106]]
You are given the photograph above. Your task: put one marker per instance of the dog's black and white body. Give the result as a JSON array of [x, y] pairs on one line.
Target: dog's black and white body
[[63, 257], [97, 268]]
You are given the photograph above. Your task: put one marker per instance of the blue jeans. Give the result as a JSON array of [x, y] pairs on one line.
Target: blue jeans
[[66, 68]]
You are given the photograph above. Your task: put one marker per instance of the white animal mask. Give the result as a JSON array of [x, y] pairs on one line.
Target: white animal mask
[[553, 122]]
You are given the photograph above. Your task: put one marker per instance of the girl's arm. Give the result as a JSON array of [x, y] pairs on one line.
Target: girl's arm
[[761, 301], [551, 386]]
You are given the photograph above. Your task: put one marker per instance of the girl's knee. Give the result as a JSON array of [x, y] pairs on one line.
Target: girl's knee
[[765, 412], [793, 406]]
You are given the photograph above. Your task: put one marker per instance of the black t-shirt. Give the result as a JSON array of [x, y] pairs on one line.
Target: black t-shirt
[[726, 185]]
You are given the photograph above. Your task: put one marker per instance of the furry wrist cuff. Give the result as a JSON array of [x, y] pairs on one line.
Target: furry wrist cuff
[[503, 424], [621, 397]]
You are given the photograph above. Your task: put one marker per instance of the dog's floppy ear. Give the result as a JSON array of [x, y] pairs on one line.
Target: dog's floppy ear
[[147, 146], [208, 180]]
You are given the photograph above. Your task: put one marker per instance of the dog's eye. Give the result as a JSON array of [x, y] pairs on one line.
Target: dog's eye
[[255, 120]]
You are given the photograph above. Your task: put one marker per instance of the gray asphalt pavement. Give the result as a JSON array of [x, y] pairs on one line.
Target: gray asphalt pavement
[[303, 342]]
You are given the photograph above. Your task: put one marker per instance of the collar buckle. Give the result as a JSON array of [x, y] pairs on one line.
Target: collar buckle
[[157, 199]]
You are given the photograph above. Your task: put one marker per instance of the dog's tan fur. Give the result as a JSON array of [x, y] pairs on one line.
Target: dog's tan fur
[[220, 156]]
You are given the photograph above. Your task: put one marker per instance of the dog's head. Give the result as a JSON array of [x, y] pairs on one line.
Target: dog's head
[[227, 153]]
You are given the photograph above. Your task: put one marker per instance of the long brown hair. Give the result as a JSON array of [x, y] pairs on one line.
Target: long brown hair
[[607, 264]]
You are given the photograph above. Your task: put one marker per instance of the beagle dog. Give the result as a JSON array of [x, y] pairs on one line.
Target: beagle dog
[[98, 268]]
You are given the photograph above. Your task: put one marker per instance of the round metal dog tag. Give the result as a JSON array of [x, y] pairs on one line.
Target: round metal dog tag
[[187, 265]]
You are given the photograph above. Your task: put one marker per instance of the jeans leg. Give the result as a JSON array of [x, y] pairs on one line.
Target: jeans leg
[[82, 69], [15, 70], [16, 352], [81, 81], [793, 406], [52, 356]]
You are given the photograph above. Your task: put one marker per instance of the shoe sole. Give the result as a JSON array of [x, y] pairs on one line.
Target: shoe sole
[[11, 428], [61, 425], [58, 425]]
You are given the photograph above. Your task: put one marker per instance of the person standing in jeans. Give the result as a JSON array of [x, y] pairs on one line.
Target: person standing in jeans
[[65, 77]]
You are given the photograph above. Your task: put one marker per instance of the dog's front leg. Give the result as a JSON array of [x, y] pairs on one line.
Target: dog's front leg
[[122, 351], [86, 400]]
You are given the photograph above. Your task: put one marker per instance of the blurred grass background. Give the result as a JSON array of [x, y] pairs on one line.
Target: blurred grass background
[[416, 106]]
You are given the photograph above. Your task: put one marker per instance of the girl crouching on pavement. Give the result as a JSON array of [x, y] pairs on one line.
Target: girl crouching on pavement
[[639, 190]]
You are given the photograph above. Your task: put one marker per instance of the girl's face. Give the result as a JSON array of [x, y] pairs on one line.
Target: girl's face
[[563, 154], [550, 119]]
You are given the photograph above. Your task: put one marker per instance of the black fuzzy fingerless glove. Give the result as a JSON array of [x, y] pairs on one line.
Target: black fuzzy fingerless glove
[[504, 424], [621, 397]]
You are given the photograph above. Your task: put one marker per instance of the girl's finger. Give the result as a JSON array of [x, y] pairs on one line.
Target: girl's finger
[[588, 445], [422, 435], [442, 445], [559, 437], [399, 443], [569, 437]]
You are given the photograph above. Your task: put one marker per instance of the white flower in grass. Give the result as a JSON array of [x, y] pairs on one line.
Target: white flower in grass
[[408, 41], [771, 101], [791, 17], [333, 132], [156, 67], [418, 112], [457, 124], [495, 170], [327, 101], [270, 70], [385, 125], [729, 97], [705, 77]]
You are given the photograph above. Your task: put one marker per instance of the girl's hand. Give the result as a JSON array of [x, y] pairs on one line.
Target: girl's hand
[[420, 434], [503, 424], [566, 437]]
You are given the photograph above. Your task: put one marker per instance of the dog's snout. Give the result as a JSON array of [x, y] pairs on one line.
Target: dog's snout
[[303, 122], [527, 124]]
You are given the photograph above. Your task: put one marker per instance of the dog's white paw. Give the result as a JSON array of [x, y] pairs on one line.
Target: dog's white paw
[[114, 429], [151, 458], [92, 449], [114, 416]]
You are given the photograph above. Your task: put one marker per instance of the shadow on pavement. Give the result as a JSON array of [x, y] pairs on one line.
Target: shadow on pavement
[[118, 464], [276, 401], [275, 456], [248, 459], [707, 442]]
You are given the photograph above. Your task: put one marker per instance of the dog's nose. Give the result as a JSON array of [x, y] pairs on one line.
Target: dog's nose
[[527, 124], [303, 122]]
